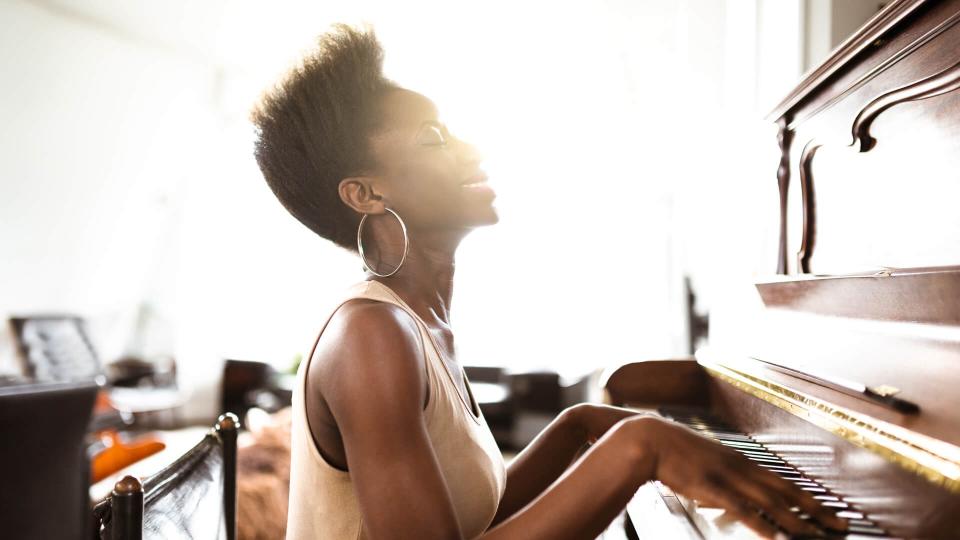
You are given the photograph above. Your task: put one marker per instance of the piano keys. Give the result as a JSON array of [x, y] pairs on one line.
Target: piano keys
[[795, 463]]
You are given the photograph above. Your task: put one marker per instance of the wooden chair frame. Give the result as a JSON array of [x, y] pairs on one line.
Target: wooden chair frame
[[121, 513]]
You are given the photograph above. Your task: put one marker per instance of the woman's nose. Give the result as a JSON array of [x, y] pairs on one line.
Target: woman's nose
[[468, 153]]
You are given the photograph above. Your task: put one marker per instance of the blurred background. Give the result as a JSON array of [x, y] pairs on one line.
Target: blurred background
[[625, 139]]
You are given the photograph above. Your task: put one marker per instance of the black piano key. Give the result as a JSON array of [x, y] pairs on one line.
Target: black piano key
[[713, 428], [777, 468], [742, 446], [793, 478], [761, 455], [727, 436], [755, 450], [770, 461], [718, 432], [739, 444], [786, 475]]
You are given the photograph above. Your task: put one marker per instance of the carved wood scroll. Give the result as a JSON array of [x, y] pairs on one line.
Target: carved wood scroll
[[784, 138], [809, 232], [943, 82]]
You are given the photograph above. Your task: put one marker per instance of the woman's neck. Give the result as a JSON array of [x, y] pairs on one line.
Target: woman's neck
[[425, 281]]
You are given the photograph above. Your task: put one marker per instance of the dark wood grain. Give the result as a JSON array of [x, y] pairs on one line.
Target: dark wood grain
[[919, 295]]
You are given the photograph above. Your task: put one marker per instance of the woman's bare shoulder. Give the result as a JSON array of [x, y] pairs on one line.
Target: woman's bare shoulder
[[370, 347]]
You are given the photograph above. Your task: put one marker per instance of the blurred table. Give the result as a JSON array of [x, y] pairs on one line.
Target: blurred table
[[156, 408]]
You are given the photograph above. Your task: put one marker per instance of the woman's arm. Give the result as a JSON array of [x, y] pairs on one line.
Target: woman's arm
[[552, 452], [586, 498]]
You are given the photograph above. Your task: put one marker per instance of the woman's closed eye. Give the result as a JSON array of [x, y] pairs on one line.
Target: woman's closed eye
[[432, 135]]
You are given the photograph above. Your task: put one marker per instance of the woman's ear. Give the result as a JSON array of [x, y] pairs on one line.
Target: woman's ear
[[358, 193]]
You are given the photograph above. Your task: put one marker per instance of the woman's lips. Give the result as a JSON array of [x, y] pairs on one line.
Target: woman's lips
[[479, 178], [479, 185]]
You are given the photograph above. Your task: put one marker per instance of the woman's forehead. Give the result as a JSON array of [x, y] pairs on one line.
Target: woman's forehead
[[402, 108]]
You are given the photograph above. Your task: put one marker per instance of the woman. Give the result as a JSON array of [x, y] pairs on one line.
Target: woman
[[387, 439]]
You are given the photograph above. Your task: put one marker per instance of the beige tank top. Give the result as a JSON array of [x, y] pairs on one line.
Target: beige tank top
[[323, 504]]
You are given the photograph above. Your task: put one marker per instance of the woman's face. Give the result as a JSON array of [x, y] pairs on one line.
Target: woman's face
[[429, 177]]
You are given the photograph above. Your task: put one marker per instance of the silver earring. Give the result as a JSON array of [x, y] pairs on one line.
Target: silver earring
[[406, 244]]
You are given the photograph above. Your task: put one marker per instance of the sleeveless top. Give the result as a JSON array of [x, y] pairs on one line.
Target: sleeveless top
[[323, 504]]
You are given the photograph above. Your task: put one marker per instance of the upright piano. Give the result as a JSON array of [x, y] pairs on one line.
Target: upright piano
[[845, 377]]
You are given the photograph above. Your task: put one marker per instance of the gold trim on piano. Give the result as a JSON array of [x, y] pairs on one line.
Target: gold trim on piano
[[935, 460]]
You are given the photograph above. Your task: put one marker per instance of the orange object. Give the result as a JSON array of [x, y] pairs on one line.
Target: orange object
[[102, 404], [119, 454]]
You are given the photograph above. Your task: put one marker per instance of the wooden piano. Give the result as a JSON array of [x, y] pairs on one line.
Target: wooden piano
[[860, 324]]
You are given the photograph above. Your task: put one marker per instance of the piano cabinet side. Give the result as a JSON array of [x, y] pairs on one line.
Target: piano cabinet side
[[648, 384]]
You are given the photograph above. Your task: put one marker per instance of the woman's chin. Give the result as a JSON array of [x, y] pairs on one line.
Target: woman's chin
[[490, 217]]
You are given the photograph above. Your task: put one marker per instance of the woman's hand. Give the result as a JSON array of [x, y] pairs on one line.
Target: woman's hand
[[717, 476], [710, 473]]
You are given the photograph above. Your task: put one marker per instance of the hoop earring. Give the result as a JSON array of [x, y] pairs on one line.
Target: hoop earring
[[406, 245]]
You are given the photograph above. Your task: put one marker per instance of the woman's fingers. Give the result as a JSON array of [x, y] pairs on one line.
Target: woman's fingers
[[721, 494], [756, 523], [723, 477], [749, 490], [772, 502], [803, 500]]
